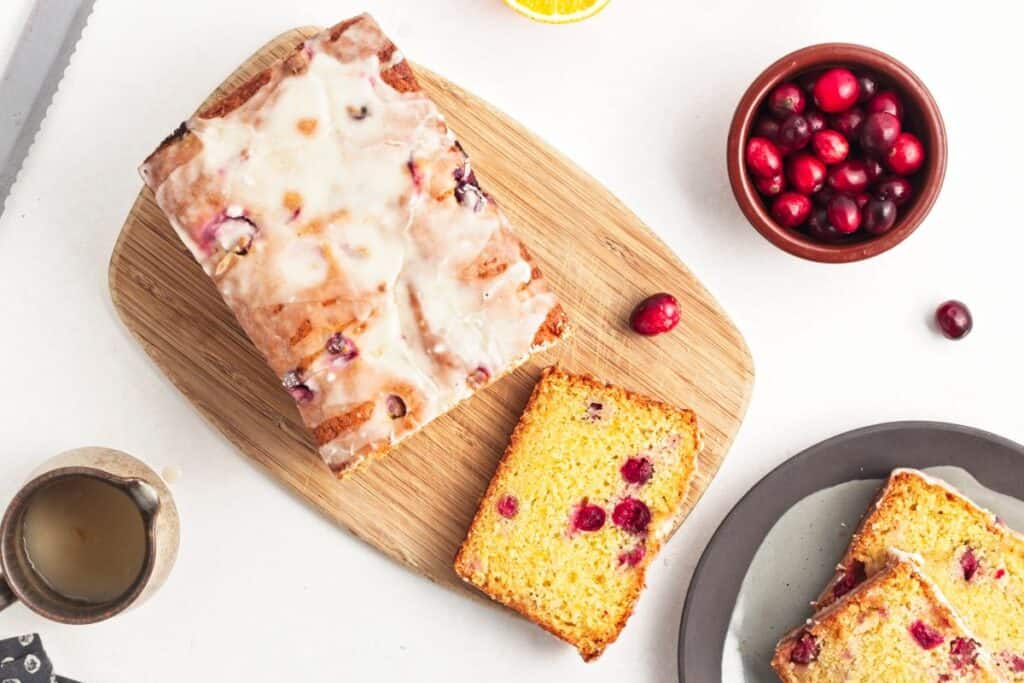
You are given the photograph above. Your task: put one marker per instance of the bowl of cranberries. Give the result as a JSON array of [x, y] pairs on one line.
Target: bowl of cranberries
[[836, 152]]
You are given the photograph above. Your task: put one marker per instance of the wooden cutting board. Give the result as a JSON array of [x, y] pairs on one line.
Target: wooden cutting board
[[416, 504]]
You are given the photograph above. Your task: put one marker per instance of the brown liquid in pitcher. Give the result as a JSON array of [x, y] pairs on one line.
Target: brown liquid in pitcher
[[86, 538]]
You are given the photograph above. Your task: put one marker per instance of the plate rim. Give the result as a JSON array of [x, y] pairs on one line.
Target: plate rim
[[727, 589]]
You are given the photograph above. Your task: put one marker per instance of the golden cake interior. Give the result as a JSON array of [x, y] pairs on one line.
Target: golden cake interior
[[568, 457]]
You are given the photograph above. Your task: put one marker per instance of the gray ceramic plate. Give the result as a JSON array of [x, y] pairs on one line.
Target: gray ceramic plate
[[777, 548]]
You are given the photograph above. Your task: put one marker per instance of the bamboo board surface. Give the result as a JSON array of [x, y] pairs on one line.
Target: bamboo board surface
[[416, 504]]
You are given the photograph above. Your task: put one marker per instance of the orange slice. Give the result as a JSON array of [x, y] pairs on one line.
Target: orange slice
[[557, 11]]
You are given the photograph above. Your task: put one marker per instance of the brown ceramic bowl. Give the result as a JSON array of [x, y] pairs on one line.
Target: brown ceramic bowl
[[921, 117]]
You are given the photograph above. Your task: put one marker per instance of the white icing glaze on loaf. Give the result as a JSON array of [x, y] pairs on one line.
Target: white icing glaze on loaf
[[331, 198]]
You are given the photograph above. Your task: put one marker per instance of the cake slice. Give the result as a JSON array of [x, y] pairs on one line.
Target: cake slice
[[974, 559], [590, 486], [345, 228], [896, 627]]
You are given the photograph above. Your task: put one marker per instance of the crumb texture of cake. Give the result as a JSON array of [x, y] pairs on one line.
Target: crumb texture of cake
[[345, 228], [592, 483], [974, 559], [895, 627]]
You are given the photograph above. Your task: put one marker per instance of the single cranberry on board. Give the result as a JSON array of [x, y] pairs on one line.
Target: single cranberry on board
[[906, 154], [656, 314], [763, 157], [836, 90], [786, 99], [806, 173], [954, 319]]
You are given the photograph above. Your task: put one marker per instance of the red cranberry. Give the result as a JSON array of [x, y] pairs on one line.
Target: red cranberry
[[770, 186], [886, 101], [874, 169], [862, 199], [819, 228], [763, 157], [816, 120], [794, 133], [1000, 573], [868, 86], [850, 177], [767, 128], [954, 319], [1016, 662], [637, 470], [830, 146], [848, 123], [963, 652], [836, 90], [791, 209], [479, 377], [341, 346], [806, 174], [805, 650], [879, 216], [632, 515], [508, 506], [656, 314], [395, 406], [895, 189], [926, 636], [588, 517], [878, 134], [632, 558], [906, 154], [969, 564], [844, 214], [786, 99], [852, 578]]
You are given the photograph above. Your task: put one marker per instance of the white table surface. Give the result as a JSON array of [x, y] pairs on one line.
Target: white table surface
[[265, 589]]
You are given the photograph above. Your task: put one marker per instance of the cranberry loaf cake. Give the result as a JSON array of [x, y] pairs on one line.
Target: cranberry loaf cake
[[344, 226], [974, 559], [896, 627], [590, 486]]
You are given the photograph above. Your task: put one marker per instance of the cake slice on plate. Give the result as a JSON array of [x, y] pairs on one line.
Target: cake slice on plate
[[345, 228], [976, 561], [895, 627], [590, 486]]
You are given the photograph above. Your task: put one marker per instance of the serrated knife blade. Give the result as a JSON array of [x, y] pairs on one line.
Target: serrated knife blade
[[35, 69]]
